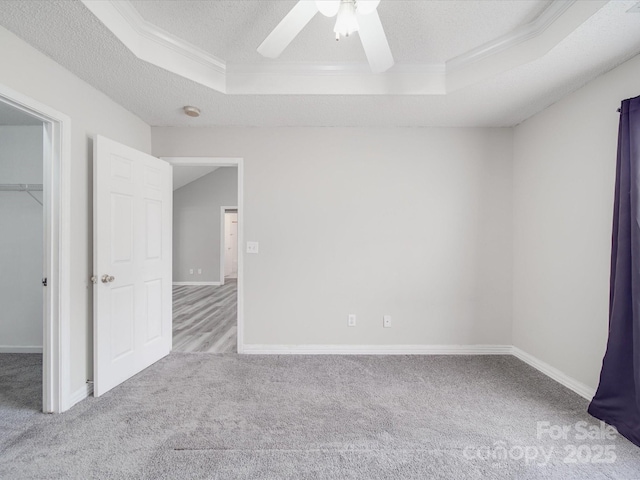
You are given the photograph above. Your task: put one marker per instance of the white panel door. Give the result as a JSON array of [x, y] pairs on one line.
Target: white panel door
[[132, 215]]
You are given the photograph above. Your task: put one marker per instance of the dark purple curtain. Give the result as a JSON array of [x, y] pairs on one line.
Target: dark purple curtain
[[617, 400]]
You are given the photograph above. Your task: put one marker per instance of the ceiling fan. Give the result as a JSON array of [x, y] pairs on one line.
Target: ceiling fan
[[352, 16]]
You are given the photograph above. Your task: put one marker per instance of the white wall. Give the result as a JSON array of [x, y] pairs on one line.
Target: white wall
[[196, 224], [564, 172], [31, 73], [411, 222], [20, 240]]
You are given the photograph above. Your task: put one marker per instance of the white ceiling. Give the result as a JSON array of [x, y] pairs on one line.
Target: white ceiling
[[420, 32], [10, 116], [184, 175]]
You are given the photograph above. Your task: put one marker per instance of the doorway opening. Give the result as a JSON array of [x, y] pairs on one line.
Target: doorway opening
[[34, 218], [207, 266], [21, 257]]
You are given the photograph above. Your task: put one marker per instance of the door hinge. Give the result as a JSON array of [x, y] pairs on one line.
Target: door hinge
[[44, 282]]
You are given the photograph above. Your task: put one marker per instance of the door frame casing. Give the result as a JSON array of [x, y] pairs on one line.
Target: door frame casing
[[56, 342], [223, 239], [238, 163]]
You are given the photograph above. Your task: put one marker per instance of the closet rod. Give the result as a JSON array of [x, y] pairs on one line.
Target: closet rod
[[22, 187]]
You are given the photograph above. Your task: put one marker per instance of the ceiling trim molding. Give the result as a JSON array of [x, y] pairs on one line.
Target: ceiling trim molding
[[335, 83], [328, 79], [166, 39], [165, 50], [513, 38], [522, 46], [157, 46], [338, 69]]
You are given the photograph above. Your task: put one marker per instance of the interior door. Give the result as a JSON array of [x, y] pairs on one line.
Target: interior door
[[132, 208]]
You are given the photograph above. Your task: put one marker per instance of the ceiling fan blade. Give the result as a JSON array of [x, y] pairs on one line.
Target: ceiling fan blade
[[375, 42], [290, 26]]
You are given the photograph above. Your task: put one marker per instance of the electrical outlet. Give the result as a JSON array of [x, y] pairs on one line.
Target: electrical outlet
[[352, 320], [191, 271], [386, 321], [199, 271]]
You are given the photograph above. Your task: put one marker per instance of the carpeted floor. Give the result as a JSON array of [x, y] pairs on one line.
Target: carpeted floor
[[20, 396], [311, 417]]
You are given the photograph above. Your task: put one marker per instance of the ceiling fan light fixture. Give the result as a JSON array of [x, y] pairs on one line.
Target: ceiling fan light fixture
[[346, 23], [352, 16]]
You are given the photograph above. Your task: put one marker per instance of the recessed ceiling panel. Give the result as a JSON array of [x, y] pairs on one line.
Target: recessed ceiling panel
[[70, 34], [419, 31]]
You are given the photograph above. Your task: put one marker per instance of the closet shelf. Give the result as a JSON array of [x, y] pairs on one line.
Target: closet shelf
[[22, 187]]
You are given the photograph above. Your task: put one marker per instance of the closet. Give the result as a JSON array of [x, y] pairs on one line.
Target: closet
[[21, 233]]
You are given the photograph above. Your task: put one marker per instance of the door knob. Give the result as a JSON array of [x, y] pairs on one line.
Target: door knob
[[108, 278]]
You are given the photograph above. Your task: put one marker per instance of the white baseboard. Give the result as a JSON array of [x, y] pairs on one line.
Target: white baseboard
[[377, 349], [7, 349], [552, 372], [197, 283], [80, 394], [571, 383]]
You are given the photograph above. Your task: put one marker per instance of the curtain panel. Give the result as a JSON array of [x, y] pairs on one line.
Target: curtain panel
[[617, 400]]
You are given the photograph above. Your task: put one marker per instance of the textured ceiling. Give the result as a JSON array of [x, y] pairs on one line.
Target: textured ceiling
[[14, 117], [418, 31], [71, 35]]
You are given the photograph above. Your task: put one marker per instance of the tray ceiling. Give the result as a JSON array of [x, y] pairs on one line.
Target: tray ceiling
[[419, 31], [504, 90]]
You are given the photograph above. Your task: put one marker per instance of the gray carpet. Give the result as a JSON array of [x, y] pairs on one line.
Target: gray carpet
[[309, 417], [20, 395]]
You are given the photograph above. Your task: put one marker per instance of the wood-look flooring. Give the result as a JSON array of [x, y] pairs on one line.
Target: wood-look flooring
[[205, 318]]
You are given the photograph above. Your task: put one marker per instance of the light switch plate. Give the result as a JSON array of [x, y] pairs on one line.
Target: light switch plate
[[252, 247]]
